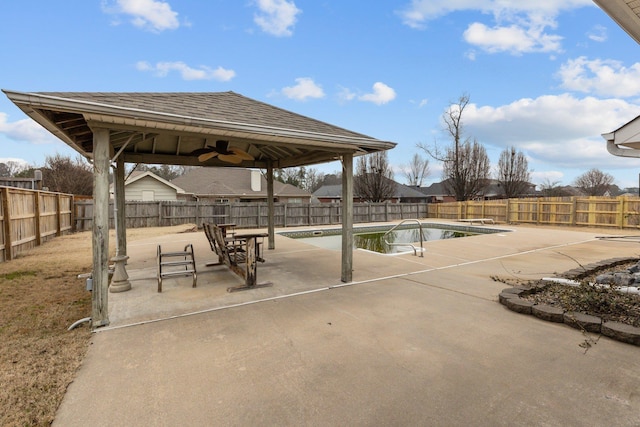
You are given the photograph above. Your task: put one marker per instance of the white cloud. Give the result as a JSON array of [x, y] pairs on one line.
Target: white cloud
[[25, 130], [153, 15], [419, 12], [161, 69], [381, 94], [346, 95], [276, 17], [519, 26], [305, 88], [547, 176], [513, 38], [598, 34], [558, 129], [420, 102], [600, 77]]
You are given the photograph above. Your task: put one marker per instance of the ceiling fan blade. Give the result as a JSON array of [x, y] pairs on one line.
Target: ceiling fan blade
[[230, 158], [242, 154], [206, 156]]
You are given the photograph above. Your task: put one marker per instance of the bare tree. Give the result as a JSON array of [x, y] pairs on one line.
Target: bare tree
[[465, 162], [292, 176], [11, 168], [513, 172], [594, 182], [466, 170], [64, 175], [550, 188], [416, 170], [313, 180], [373, 181]]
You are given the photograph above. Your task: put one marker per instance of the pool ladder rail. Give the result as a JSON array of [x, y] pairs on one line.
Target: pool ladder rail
[[415, 250]]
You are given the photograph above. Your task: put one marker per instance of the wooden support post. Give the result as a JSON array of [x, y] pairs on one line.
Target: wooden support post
[[99, 297], [271, 214], [119, 208], [347, 217]]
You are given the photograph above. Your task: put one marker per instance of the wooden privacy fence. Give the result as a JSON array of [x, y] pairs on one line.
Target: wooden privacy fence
[[247, 215], [619, 212], [29, 218]]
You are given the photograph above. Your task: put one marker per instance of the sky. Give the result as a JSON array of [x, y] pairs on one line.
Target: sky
[[547, 77]]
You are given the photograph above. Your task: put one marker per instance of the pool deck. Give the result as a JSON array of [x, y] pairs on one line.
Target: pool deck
[[411, 341]]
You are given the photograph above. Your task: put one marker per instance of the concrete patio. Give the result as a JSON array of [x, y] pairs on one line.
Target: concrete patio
[[411, 341]]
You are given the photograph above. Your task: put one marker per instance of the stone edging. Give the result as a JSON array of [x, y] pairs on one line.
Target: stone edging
[[510, 298]]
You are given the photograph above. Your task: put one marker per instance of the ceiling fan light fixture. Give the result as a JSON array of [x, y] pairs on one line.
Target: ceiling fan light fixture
[[223, 152]]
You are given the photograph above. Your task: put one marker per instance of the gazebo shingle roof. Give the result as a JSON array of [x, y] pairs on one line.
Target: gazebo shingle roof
[[166, 128]]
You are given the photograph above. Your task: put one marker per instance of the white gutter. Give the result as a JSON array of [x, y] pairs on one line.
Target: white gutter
[[621, 152]]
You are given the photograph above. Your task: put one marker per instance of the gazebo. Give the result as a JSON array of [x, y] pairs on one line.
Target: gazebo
[[195, 129]]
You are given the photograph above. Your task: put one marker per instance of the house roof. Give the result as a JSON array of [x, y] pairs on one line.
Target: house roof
[[335, 191], [231, 182], [165, 128], [138, 175], [435, 189], [626, 13]]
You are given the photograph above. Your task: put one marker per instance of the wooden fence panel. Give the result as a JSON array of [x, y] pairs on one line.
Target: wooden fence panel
[[30, 218]]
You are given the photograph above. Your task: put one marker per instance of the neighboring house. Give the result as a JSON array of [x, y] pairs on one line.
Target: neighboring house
[[148, 187], [235, 185], [403, 194], [438, 192]]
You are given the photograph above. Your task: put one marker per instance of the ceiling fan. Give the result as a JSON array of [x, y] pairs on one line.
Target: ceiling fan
[[223, 152]]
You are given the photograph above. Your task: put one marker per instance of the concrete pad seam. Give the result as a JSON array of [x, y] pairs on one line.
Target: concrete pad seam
[[447, 289]]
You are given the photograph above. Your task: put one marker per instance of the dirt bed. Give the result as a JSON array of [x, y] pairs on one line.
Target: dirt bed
[[605, 302]]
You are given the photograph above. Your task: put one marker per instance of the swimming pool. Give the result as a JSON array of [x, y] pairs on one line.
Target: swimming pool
[[371, 238]]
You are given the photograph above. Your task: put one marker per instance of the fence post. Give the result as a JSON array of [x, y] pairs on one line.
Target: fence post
[[159, 213], [574, 210], [36, 218], [197, 213], [6, 213], [72, 213], [621, 211], [58, 215]]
